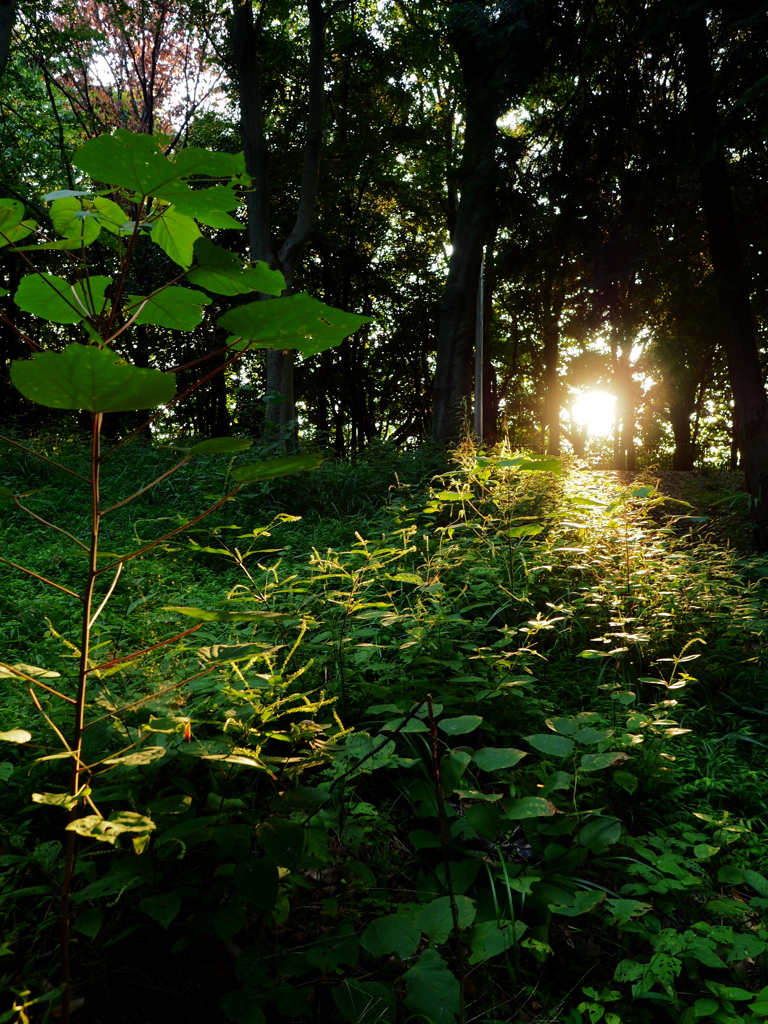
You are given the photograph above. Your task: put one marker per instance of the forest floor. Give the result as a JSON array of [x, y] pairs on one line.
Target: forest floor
[[484, 746]]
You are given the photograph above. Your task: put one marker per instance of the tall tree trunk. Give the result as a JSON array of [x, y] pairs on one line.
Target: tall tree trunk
[[553, 298], [750, 403], [280, 421], [452, 386], [7, 21]]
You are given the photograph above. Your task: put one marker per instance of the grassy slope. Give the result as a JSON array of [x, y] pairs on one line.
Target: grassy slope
[[515, 599]]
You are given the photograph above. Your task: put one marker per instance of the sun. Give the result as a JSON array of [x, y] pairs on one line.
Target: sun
[[595, 410]]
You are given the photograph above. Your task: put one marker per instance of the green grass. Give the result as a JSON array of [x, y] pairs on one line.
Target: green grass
[[521, 604]]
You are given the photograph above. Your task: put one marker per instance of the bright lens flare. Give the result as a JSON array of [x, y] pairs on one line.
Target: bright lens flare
[[595, 410]]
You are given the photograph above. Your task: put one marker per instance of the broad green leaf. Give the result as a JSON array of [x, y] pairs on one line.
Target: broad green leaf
[[70, 220], [55, 299], [758, 882], [86, 377], [493, 759], [144, 756], [594, 762], [600, 833], [728, 991], [460, 726], [208, 205], [436, 918], [16, 736], [432, 990], [89, 922], [106, 830], [225, 616], [177, 308], [296, 321], [221, 271], [406, 577], [583, 901], [221, 444], [283, 841], [257, 881], [626, 780], [6, 492], [64, 193], [452, 767], [541, 466], [275, 467], [20, 670], [393, 933], [530, 530], [558, 746], [491, 938], [563, 726], [162, 908], [56, 799], [12, 224], [176, 235], [208, 163], [133, 161], [365, 1002], [529, 807], [590, 735], [113, 217]]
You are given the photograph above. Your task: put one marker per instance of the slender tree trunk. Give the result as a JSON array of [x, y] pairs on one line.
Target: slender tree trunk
[[750, 412], [7, 21], [452, 386], [280, 421], [552, 305]]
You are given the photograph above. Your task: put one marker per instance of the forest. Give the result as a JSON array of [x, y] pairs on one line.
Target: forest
[[383, 536]]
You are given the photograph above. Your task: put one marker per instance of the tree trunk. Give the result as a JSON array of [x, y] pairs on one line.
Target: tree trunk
[[452, 386], [750, 411], [280, 420]]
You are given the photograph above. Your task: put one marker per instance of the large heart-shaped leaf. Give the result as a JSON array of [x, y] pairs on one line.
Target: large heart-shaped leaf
[[86, 377], [71, 220], [223, 272], [210, 206], [12, 225], [176, 235], [177, 308], [432, 990], [134, 161], [297, 321], [60, 302]]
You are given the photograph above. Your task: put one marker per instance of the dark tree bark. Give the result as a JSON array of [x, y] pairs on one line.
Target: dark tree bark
[[280, 420], [750, 412], [7, 21], [475, 218]]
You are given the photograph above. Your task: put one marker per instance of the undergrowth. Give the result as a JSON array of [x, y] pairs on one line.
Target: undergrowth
[[485, 748]]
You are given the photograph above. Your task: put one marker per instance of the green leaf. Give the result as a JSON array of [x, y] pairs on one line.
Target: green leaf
[[460, 726], [177, 308], [223, 272], [134, 161], [87, 377], [626, 780], [176, 235], [60, 302], [224, 616], [529, 530], [529, 807], [220, 444], [106, 830], [491, 938], [595, 762], [283, 841], [20, 670], [432, 990], [89, 922], [193, 160], [12, 225], [547, 743], [583, 901], [493, 759], [276, 467], [16, 736], [144, 756], [113, 217], [296, 321], [600, 833], [55, 799], [758, 882], [162, 908], [258, 881], [208, 205], [393, 933], [365, 1002], [436, 918], [71, 220]]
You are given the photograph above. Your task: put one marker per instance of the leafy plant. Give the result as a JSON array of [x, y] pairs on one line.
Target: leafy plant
[[147, 198]]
